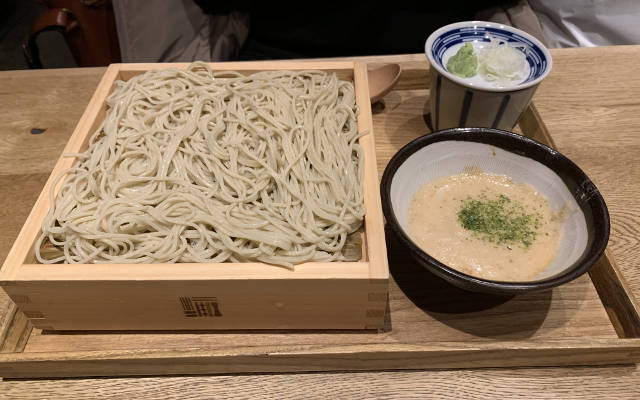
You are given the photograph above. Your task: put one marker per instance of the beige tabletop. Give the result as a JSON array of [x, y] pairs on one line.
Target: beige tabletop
[[591, 107]]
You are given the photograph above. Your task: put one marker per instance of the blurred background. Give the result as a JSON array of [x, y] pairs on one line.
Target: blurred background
[[71, 33]]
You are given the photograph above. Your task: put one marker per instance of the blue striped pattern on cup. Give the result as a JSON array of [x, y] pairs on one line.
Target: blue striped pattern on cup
[[535, 56]]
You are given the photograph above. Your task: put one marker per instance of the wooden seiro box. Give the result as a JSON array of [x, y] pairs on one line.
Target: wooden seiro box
[[338, 295]]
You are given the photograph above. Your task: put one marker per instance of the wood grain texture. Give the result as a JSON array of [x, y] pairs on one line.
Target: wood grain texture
[[592, 115], [623, 311], [15, 329], [570, 312], [319, 358], [616, 383], [28, 106]]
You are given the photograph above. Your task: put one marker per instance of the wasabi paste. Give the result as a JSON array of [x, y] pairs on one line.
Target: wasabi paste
[[464, 63]]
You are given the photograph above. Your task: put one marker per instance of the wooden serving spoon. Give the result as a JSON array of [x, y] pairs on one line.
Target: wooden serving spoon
[[382, 79]]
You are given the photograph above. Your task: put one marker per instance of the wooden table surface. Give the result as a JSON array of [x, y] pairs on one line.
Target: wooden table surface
[[590, 105]]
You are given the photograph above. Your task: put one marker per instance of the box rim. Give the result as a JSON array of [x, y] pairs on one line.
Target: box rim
[[377, 264]]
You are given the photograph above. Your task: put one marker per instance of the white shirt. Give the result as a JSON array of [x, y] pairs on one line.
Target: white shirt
[[588, 23]]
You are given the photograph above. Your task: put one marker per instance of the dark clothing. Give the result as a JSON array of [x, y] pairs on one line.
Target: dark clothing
[[348, 29]]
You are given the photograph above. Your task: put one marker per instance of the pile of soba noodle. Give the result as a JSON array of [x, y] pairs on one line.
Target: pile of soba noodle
[[201, 166]]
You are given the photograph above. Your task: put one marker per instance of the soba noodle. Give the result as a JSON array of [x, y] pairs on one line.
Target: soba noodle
[[201, 166]]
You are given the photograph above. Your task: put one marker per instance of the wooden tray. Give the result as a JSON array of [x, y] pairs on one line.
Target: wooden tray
[[428, 324]]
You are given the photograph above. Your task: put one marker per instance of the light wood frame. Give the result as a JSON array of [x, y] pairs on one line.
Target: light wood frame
[[338, 295]]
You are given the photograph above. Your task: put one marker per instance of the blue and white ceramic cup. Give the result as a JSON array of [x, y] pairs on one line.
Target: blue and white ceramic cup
[[463, 102]]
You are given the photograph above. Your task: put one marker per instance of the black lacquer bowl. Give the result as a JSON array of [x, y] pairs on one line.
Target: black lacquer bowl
[[585, 230]]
